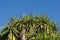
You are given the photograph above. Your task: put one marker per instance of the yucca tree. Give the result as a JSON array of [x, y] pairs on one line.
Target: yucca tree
[[30, 28]]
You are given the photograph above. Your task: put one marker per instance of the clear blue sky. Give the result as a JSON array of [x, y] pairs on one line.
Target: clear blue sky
[[16, 8]]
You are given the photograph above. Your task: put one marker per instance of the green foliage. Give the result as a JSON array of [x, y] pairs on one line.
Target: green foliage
[[30, 28]]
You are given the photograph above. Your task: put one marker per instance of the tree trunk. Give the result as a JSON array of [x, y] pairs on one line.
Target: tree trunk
[[23, 34]]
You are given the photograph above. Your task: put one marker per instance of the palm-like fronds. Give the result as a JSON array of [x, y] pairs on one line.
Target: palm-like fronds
[[30, 28]]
